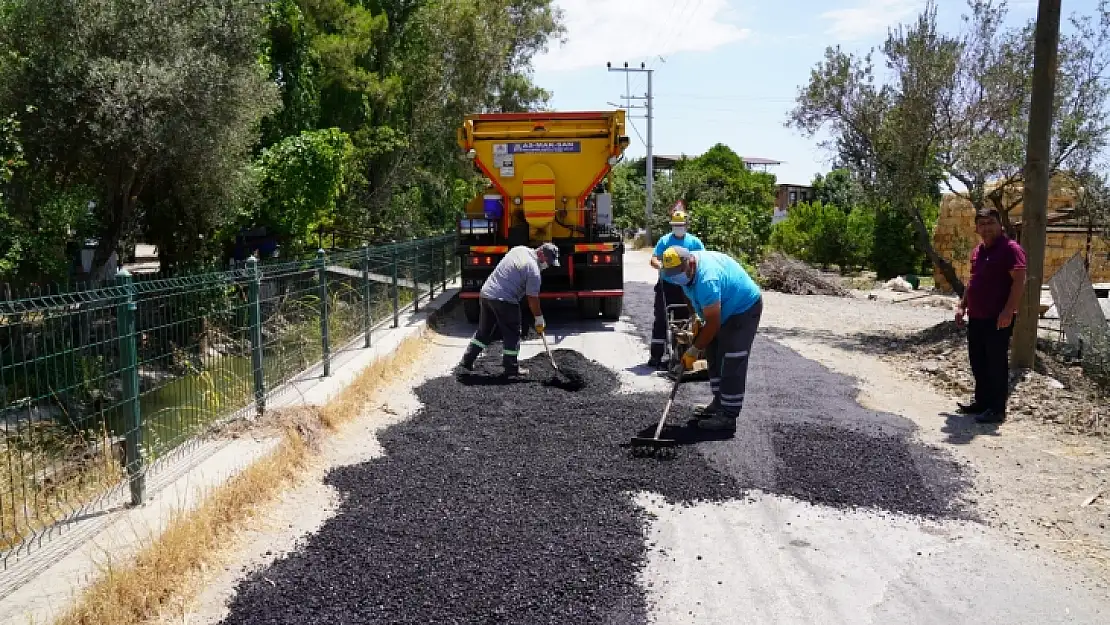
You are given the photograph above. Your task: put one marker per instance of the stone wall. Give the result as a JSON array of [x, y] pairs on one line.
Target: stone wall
[[955, 238]]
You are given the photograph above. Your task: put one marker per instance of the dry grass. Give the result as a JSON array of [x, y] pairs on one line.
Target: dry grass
[[166, 570], [350, 403], [47, 473]]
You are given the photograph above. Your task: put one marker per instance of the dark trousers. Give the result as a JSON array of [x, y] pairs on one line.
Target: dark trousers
[[672, 293], [496, 320], [527, 319], [727, 358], [989, 352]]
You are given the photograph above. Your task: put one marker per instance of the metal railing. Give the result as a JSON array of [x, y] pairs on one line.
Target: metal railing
[[98, 385]]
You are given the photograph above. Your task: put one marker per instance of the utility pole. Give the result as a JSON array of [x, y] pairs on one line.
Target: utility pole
[[649, 210], [1036, 179], [650, 163]]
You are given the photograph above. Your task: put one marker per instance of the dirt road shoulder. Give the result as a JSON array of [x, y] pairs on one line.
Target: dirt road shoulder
[[1031, 479]]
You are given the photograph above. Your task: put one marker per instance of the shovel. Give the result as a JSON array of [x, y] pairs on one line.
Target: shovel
[[644, 445], [562, 379], [548, 350]]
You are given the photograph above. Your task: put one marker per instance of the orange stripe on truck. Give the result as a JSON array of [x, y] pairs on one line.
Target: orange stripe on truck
[[489, 249], [595, 247]]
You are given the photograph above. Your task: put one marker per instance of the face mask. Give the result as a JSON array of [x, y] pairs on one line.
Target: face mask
[[678, 230], [681, 279], [543, 266]]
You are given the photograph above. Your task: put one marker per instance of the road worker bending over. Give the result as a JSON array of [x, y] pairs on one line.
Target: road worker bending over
[[515, 277], [729, 304], [667, 294]]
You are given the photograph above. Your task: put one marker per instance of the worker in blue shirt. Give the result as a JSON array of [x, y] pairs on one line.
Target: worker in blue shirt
[[730, 304], [666, 293]]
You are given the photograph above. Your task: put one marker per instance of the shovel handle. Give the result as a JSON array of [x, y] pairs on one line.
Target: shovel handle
[[670, 400], [548, 350]]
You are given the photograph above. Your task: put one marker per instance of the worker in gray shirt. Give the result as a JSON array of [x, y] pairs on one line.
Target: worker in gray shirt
[[515, 277]]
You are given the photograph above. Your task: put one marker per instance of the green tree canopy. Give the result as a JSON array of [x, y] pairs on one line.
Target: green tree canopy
[[184, 121]]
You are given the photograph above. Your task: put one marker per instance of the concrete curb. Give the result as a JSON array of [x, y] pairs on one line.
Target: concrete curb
[[37, 586]]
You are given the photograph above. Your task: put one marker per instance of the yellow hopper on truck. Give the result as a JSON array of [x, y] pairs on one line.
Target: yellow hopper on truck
[[549, 180]]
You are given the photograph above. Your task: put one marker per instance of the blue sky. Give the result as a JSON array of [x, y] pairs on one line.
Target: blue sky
[[729, 69]]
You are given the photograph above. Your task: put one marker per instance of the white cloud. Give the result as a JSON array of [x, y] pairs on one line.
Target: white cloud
[[868, 18], [600, 31]]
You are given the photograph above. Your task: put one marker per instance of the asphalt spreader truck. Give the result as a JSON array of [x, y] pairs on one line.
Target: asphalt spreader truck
[[549, 179]]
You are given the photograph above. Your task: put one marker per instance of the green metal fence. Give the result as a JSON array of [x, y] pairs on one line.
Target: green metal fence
[[98, 385]]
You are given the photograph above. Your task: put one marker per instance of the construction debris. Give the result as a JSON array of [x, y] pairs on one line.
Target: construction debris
[[779, 272], [1056, 392], [899, 284]]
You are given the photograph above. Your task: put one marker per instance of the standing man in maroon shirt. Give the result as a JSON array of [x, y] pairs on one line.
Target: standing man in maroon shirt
[[991, 302]]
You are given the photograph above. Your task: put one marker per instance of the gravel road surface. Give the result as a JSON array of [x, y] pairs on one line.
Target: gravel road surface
[[518, 503]]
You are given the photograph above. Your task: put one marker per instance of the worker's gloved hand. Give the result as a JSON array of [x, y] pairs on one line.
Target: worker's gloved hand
[[540, 325], [690, 357]]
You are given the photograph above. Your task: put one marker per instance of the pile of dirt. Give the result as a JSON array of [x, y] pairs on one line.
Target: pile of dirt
[[508, 501], [1055, 392], [779, 272]]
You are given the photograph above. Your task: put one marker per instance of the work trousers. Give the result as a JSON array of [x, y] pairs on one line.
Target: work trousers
[[727, 359], [989, 352], [665, 294], [497, 319]]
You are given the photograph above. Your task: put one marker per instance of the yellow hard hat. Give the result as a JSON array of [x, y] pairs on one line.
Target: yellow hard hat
[[673, 258], [678, 218]]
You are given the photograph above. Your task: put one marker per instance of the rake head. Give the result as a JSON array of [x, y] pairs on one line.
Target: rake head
[[645, 447]]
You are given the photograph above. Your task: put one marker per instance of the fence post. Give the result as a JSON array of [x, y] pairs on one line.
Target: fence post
[[432, 275], [254, 306], [416, 276], [366, 294], [322, 272], [443, 267], [129, 372], [396, 294]]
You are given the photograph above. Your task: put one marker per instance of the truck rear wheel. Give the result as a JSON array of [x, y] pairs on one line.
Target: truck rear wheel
[[611, 307], [588, 307], [471, 310]]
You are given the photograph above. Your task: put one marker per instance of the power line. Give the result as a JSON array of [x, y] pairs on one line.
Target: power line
[[730, 109], [663, 27], [724, 98], [682, 22]]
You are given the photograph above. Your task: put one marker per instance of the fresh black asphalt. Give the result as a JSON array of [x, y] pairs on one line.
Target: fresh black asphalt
[[510, 501]]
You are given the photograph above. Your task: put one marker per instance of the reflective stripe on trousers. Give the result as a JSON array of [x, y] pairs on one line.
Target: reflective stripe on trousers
[[497, 317], [665, 294], [727, 357]]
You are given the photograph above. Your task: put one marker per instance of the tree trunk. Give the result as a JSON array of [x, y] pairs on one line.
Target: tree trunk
[[1004, 216], [946, 268], [118, 215], [1046, 39], [108, 241]]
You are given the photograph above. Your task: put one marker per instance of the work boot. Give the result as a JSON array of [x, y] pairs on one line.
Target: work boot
[[971, 408], [717, 423], [709, 410], [655, 362], [513, 370], [991, 416], [473, 350]]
